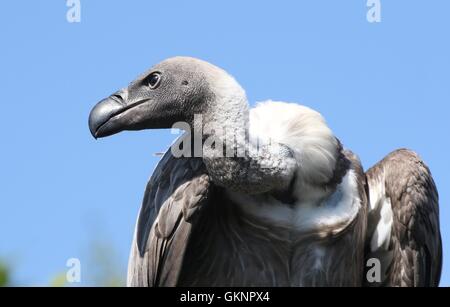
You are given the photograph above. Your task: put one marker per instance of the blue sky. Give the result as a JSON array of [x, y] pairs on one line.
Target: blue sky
[[380, 86]]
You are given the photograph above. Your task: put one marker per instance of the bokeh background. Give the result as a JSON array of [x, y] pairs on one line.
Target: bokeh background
[[381, 86]]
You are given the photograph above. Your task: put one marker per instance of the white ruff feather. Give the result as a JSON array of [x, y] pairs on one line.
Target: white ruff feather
[[335, 212], [315, 148], [305, 132]]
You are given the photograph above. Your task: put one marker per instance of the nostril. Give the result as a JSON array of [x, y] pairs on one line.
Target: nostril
[[120, 96], [117, 97]]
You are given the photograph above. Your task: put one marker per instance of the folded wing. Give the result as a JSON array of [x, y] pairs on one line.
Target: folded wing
[[174, 196], [403, 225]]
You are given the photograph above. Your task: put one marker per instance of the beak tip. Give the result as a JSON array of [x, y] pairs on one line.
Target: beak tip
[[92, 129], [101, 114]]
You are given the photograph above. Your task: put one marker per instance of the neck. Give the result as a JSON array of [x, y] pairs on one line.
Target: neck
[[231, 159], [226, 120]]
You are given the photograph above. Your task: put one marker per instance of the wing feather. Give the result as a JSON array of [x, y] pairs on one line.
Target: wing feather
[[403, 224], [176, 192]]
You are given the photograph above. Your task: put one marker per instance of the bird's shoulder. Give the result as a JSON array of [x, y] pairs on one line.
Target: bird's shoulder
[[176, 188]]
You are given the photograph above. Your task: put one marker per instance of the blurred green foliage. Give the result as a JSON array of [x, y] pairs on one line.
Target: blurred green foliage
[[103, 268], [59, 280], [5, 275]]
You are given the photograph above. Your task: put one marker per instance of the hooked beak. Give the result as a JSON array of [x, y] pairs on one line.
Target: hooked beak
[[110, 116]]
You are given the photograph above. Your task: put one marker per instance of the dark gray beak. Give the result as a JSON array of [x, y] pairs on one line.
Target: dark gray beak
[[100, 117], [116, 113], [123, 111]]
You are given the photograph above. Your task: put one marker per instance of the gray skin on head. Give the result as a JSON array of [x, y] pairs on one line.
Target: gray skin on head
[[187, 87], [182, 92]]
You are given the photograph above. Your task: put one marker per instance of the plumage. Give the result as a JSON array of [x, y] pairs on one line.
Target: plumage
[[412, 253], [290, 206], [173, 197]]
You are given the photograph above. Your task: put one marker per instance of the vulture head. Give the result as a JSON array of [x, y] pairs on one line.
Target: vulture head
[[170, 92], [273, 144]]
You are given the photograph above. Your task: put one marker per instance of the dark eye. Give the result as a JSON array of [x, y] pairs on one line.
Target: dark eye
[[153, 80]]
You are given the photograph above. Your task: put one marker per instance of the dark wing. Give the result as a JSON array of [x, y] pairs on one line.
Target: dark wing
[[403, 225], [176, 192]]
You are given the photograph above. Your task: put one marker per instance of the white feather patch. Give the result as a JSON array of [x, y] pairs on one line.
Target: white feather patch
[[339, 208], [381, 236], [314, 147], [305, 132]]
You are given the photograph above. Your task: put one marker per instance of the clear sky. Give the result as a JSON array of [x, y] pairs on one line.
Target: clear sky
[[380, 86]]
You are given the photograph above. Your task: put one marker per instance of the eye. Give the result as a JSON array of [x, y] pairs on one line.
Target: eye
[[153, 80]]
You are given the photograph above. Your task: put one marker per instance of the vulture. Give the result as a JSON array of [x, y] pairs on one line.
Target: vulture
[[266, 196]]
